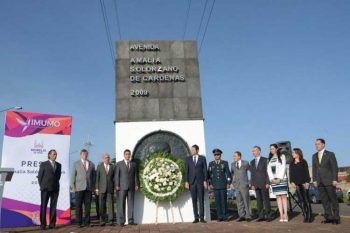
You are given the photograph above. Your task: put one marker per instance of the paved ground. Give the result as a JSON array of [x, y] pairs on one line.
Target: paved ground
[[295, 225]]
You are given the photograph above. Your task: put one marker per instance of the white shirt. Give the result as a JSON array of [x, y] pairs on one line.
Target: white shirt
[[321, 152], [106, 166], [87, 163], [126, 162], [52, 163], [195, 158], [257, 159], [239, 163]]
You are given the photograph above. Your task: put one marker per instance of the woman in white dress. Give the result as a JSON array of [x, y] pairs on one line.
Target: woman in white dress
[[276, 170]]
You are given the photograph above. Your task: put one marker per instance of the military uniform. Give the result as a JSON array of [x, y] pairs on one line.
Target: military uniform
[[219, 177]]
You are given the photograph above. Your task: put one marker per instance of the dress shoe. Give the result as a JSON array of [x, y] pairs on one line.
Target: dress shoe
[[81, 225], [220, 220], [196, 220], [133, 224], [327, 221], [202, 220], [111, 224], [42, 227], [248, 219], [261, 219], [52, 227], [336, 222], [241, 219], [102, 224], [122, 225]]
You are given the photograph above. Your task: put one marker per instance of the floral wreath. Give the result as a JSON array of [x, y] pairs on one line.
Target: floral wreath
[[162, 177]]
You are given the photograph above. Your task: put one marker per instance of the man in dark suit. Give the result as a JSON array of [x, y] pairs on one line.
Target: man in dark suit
[[105, 189], [49, 181], [260, 183], [325, 178], [83, 179], [196, 181], [219, 179], [126, 183]]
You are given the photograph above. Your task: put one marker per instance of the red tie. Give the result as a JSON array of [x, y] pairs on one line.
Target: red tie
[[84, 164]]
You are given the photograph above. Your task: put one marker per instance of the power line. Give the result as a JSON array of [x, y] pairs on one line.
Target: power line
[[200, 24], [186, 19], [117, 18], [108, 32], [206, 26]]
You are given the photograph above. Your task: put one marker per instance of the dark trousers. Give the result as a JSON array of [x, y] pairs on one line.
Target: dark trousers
[[303, 199], [329, 201], [197, 195], [124, 195], [263, 203], [97, 203], [221, 203], [106, 203], [45, 196], [83, 197]]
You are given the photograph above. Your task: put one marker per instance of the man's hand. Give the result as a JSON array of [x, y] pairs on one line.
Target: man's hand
[[96, 191], [267, 186], [253, 187], [74, 190], [205, 184], [187, 185], [307, 185], [315, 184], [211, 187], [136, 188], [334, 183], [117, 189]]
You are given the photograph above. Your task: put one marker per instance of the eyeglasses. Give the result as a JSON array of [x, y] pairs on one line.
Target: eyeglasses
[[217, 154]]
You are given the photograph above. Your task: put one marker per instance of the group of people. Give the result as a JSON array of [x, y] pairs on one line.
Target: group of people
[[266, 174], [86, 180]]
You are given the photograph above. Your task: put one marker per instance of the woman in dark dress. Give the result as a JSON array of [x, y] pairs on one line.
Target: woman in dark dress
[[299, 177]]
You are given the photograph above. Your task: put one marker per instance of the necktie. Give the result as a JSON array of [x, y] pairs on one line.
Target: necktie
[[194, 160], [256, 162], [53, 165], [128, 164], [106, 167], [237, 165], [320, 157], [84, 165]]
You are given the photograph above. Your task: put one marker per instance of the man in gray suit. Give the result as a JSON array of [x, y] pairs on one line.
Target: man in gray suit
[[325, 177], [82, 183], [105, 189], [239, 170], [126, 183]]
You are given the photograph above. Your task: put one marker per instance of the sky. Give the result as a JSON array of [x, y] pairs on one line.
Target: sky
[[270, 70]]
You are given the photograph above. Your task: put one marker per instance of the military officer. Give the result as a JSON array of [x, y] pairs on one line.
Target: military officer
[[219, 178]]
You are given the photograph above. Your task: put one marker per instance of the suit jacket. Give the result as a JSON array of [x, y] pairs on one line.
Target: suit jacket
[[219, 175], [240, 175], [196, 174], [124, 178], [327, 171], [259, 177], [104, 180], [81, 179], [49, 177]]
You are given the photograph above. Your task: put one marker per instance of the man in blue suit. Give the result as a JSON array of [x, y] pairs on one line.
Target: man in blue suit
[[196, 181]]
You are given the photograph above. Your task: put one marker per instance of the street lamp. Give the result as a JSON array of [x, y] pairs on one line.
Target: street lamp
[[14, 108]]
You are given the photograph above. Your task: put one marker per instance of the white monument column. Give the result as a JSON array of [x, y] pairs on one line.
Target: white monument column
[[158, 89]]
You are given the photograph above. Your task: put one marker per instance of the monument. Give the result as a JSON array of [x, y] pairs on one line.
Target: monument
[[159, 109]]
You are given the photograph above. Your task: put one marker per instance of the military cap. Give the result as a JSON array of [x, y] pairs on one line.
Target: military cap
[[216, 150]]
